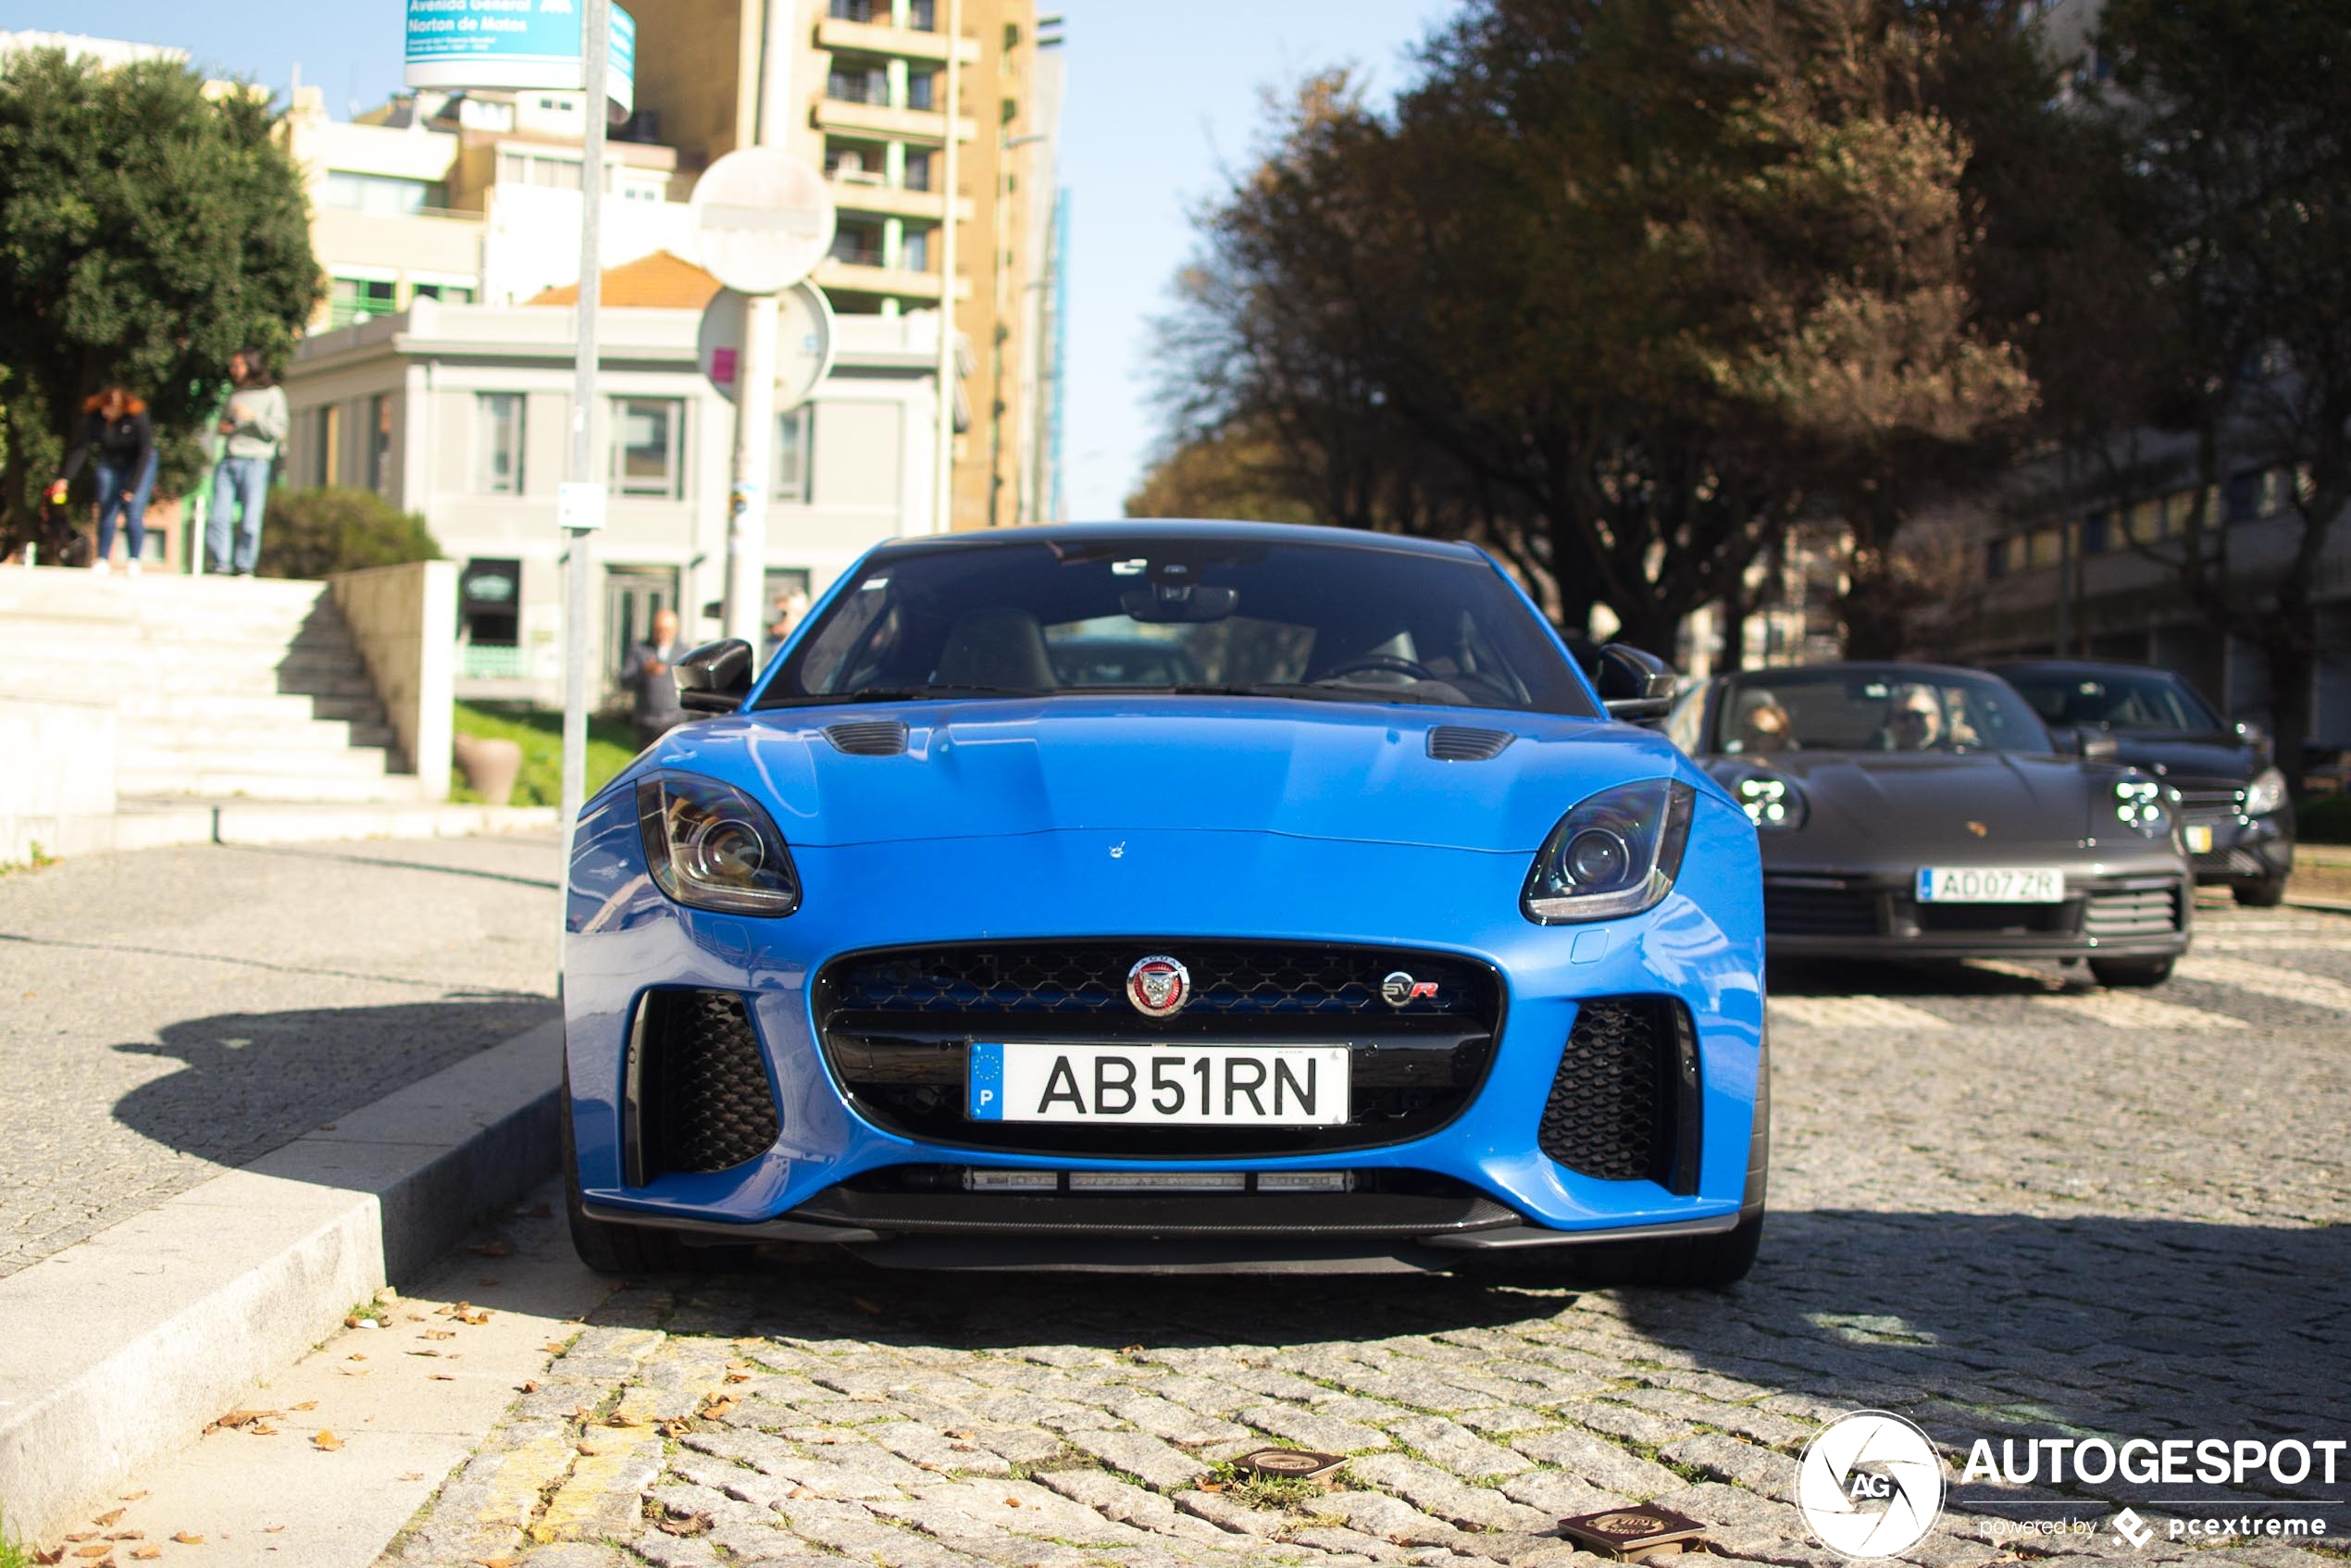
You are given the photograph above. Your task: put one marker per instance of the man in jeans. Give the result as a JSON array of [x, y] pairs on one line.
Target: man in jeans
[[255, 421]]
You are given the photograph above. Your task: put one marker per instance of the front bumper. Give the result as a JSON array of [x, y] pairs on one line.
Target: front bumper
[[2127, 911], [817, 1181], [2245, 848]]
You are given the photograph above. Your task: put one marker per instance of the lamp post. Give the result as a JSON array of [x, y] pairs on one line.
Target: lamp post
[[943, 512]]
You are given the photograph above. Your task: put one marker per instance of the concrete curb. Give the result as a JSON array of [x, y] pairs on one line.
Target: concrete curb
[[122, 1348], [160, 824]]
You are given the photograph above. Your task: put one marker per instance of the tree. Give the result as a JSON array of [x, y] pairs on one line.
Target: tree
[[2233, 128], [312, 533], [148, 232], [1621, 287]]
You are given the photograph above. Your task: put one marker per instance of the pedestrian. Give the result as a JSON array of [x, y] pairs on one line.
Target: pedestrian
[[790, 608], [647, 676], [254, 420], [116, 431]]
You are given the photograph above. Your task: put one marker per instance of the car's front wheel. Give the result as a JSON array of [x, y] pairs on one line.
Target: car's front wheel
[[2267, 893], [625, 1249], [2125, 974]]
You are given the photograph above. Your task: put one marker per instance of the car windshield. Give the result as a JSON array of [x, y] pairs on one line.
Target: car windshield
[[2114, 700], [1892, 709], [1206, 615]]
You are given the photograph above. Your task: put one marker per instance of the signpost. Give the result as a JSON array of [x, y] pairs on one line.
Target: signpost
[[563, 46], [763, 220]]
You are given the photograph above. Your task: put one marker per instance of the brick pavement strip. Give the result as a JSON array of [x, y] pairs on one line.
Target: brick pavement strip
[[2001, 1226]]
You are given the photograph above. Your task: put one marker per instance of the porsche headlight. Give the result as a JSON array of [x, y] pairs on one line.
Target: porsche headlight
[[2265, 793], [710, 846], [1617, 853], [2140, 806], [1770, 802]]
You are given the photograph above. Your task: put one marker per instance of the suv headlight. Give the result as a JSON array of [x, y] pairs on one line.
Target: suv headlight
[[2140, 806], [2265, 793], [1617, 853], [1772, 803], [710, 846]]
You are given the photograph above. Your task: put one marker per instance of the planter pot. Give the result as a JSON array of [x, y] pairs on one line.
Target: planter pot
[[490, 767]]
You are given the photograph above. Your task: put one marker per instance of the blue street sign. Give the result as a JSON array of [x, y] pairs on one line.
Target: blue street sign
[[514, 43]]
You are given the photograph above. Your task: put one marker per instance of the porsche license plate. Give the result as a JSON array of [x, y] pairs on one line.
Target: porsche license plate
[[1188, 1085], [1991, 884], [2199, 838]]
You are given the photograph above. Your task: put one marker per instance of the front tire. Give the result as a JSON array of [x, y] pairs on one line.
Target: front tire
[[625, 1249], [2267, 893], [2130, 974]]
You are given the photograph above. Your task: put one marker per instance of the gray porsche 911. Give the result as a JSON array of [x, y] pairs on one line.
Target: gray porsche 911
[[1915, 811]]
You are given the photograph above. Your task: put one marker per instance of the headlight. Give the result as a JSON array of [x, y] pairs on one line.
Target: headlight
[[710, 846], [2265, 793], [1770, 802], [2139, 805], [1617, 853]]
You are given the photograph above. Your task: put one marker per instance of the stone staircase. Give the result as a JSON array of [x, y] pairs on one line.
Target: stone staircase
[[223, 688]]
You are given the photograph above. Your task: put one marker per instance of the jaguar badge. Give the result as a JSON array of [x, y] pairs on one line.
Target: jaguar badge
[[1158, 986]]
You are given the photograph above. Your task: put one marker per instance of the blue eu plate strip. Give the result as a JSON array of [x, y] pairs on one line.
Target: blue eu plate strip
[[984, 1078], [1927, 883]]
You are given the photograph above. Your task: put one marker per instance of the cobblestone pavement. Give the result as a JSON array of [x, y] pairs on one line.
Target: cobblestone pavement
[[168, 1013], [2002, 1207]]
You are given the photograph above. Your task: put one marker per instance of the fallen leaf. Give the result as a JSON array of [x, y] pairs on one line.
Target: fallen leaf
[[103, 1520], [326, 1126], [413, 1475], [443, 1377], [441, 1334], [800, 1492], [722, 1405], [1212, 1486], [131, 1497], [501, 1560], [147, 1553], [497, 1247], [95, 1548], [1012, 1502], [261, 1429], [674, 1427], [423, 1352], [530, 1389], [184, 1538], [271, 1529], [492, 1283], [474, 1320], [79, 1536], [355, 1356], [327, 1442], [306, 1404], [691, 1524], [958, 1432], [553, 1349], [237, 1418], [44, 1558], [864, 1306], [125, 1534], [739, 1377], [352, 1371]]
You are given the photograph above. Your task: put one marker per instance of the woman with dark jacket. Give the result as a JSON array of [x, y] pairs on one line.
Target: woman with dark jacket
[[114, 427]]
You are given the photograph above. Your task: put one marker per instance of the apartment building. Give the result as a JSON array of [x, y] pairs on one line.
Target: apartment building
[[858, 88]]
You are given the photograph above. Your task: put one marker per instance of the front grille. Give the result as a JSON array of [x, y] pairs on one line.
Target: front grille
[[2230, 861], [699, 1097], [1819, 912], [2123, 913], [897, 1027], [2210, 800], [2002, 919], [1624, 1105]]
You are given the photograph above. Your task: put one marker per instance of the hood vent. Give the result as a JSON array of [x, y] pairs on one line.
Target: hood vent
[[1453, 742], [869, 738]]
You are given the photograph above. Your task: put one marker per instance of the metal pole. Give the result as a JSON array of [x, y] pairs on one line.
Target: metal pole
[[943, 513], [594, 45], [747, 500]]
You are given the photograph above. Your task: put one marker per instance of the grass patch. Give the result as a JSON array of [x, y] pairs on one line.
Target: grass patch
[[1275, 1494], [539, 732], [41, 860], [12, 1552]]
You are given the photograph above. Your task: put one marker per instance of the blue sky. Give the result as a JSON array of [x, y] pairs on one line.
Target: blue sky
[[1161, 98]]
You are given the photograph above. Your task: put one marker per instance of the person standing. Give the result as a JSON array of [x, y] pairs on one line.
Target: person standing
[[115, 427], [255, 421], [647, 675]]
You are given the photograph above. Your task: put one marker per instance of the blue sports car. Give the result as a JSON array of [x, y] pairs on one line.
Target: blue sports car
[[1359, 932]]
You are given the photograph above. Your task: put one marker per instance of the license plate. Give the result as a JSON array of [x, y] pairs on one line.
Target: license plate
[[2199, 838], [1991, 884], [1260, 1086]]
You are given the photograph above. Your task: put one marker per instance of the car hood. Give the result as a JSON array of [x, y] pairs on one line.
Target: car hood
[[1925, 800], [2208, 754], [996, 769]]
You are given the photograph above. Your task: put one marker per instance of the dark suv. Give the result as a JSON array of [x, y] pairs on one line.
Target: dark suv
[[2238, 823]]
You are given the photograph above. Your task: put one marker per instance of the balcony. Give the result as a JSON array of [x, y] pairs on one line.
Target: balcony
[[926, 126], [879, 38], [868, 196], [857, 276]]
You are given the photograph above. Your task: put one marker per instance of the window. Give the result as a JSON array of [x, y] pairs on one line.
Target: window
[[538, 168], [352, 300], [647, 446], [380, 445], [917, 171], [2042, 548], [857, 84], [919, 90], [447, 294], [853, 10], [2093, 528], [1995, 563], [915, 256], [326, 444], [1889, 709], [789, 463], [382, 195], [2256, 492], [855, 162], [857, 245], [923, 15], [498, 442]]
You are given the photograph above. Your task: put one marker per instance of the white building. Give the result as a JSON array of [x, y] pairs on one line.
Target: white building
[[462, 413]]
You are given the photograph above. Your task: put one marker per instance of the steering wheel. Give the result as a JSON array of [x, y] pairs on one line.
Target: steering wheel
[[1390, 662]]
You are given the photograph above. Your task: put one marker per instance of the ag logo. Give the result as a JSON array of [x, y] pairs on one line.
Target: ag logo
[[1869, 1485]]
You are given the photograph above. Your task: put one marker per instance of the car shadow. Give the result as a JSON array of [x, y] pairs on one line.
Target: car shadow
[[251, 1082], [1899, 978]]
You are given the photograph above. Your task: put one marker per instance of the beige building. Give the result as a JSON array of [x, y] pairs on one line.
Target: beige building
[[858, 88]]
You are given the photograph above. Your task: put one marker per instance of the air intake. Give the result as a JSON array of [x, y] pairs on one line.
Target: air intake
[[869, 738], [698, 1090], [1624, 1104], [1453, 742]]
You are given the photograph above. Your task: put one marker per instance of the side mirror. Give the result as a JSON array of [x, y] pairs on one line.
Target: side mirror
[[2090, 745], [715, 678], [2254, 735], [1634, 685]]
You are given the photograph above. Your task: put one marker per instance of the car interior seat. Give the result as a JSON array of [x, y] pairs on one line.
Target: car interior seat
[[1002, 648]]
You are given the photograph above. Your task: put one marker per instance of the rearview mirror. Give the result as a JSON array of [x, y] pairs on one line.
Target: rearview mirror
[[1634, 685], [715, 678]]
